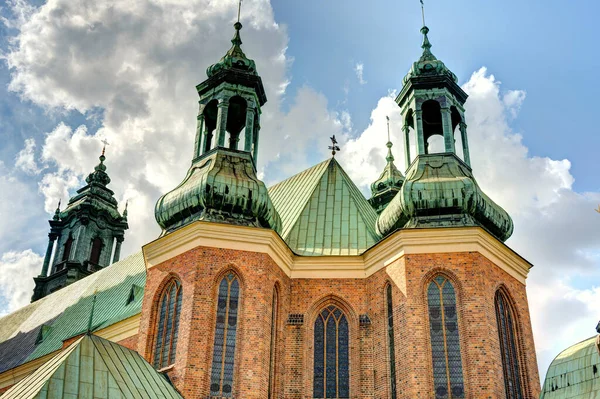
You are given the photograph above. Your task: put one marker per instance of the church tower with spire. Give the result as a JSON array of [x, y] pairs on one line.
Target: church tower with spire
[[84, 237]]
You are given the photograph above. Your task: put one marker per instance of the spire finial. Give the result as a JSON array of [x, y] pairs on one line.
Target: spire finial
[[333, 147], [125, 210], [57, 211], [390, 157], [239, 10], [102, 157], [423, 12], [89, 328]]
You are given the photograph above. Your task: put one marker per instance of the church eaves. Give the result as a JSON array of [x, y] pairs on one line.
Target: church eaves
[[324, 213]]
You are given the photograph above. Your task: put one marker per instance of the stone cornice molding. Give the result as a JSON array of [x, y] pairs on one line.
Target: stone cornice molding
[[395, 246]]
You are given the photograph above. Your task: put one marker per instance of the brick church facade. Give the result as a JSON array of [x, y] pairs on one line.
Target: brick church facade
[[302, 290]]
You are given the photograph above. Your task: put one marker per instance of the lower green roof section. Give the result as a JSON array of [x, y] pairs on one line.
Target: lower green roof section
[[574, 373], [94, 368], [40, 328]]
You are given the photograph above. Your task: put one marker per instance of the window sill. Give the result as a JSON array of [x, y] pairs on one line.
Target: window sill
[[165, 369]]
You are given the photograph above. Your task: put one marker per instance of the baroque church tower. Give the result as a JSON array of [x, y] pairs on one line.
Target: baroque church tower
[[84, 237]]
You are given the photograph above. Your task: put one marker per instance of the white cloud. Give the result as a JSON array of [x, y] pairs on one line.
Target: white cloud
[[17, 270], [359, 70], [25, 159]]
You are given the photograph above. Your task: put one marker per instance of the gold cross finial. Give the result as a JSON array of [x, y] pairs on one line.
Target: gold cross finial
[[105, 144], [333, 147]]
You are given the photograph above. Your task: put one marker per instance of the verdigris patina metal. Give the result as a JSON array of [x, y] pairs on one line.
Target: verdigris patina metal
[[221, 184], [84, 233], [439, 189]]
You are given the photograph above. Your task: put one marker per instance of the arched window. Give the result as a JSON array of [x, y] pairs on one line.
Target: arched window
[[445, 344], [508, 347], [390, 333], [96, 250], [168, 325], [273, 356], [221, 378], [67, 248], [331, 368]]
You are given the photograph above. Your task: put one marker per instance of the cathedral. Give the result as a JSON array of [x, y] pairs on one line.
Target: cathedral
[[305, 289]]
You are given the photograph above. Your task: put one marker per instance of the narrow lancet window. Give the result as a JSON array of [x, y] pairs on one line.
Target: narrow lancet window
[[221, 379], [273, 356], [67, 248], [508, 347], [445, 342], [96, 250], [168, 325], [331, 377], [391, 348]]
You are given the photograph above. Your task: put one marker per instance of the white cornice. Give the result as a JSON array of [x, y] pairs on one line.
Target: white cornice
[[398, 244]]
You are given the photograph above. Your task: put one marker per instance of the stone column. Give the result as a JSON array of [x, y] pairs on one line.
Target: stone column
[[222, 109], [448, 133], [249, 133], [406, 130], [420, 133], [255, 138], [117, 250], [465, 143], [200, 142], [51, 239]]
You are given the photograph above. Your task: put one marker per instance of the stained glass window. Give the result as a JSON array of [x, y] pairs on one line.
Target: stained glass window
[[221, 378], [508, 347], [390, 331], [331, 369], [274, 323], [445, 343], [168, 325]]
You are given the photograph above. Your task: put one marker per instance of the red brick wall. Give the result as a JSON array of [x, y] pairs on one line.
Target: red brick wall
[[130, 343], [475, 279]]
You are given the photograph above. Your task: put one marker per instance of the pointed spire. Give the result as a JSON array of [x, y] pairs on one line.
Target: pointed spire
[[426, 46], [390, 157], [89, 327], [125, 210], [57, 211]]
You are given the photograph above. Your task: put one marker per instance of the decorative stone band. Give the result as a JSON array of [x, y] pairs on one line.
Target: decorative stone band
[[386, 251]]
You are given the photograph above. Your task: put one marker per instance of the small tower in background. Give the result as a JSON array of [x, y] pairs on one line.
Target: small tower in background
[[84, 237], [385, 188]]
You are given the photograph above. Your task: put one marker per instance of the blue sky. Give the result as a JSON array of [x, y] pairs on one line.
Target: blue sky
[[74, 72]]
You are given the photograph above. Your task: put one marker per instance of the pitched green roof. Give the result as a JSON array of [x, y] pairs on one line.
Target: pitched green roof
[[324, 213], [41, 327], [96, 368], [574, 373]]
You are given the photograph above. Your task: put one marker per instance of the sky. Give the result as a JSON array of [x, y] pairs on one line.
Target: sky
[[75, 72]]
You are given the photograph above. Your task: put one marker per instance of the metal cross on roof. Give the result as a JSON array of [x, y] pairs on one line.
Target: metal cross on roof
[[105, 144], [333, 147]]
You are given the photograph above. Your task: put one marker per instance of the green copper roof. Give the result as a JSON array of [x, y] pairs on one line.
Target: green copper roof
[[234, 58], [428, 64], [221, 186], [440, 191], [574, 373], [324, 213], [65, 313], [94, 368]]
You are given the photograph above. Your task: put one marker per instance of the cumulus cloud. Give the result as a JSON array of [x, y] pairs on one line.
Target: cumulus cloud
[[359, 70], [16, 292], [25, 159]]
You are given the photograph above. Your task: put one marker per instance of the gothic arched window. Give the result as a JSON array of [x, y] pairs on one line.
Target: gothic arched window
[[273, 355], [67, 248], [167, 329], [331, 368], [390, 332], [96, 250], [445, 342], [221, 378], [508, 347]]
